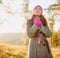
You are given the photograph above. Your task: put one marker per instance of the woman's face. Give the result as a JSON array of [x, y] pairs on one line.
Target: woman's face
[[37, 11]]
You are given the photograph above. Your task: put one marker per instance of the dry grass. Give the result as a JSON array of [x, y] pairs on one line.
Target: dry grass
[[56, 52], [16, 51], [12, 51]]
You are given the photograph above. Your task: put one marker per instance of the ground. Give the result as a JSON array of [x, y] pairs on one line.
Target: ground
[[20, 51]]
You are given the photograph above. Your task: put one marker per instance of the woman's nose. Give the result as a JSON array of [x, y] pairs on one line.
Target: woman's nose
[[37, 10]]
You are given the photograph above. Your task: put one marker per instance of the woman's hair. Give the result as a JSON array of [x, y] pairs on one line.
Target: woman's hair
[[43, 20]]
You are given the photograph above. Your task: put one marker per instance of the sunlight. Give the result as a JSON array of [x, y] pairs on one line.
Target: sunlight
[[10, 17]]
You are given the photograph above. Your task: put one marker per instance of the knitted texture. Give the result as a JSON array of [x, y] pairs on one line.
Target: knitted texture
[[37, 22], [39, 7]]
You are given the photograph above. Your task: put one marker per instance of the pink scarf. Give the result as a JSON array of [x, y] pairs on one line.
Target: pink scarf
[[38, 23], [40, 38]]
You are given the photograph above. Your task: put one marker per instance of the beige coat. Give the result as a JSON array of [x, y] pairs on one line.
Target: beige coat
[[35, 50]]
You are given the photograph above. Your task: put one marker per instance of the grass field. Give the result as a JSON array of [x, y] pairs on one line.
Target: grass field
[[12, 51], [56, 52], [15, 51]]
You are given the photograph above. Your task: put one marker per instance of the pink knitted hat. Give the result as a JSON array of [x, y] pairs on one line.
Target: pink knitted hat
[[39, 7]]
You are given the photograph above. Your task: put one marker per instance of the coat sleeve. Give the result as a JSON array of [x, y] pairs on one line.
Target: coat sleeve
[[45, 30], [31, 29]]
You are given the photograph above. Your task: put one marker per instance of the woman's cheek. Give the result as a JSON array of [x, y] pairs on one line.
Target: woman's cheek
[[35, 13]]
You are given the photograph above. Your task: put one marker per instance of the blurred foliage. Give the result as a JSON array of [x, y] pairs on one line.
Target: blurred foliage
[[1, 2], [56, 38]]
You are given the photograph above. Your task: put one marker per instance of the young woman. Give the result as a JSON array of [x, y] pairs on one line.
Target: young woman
[[38, 31]]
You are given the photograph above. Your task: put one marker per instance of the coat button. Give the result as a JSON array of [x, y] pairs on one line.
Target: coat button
[[44, 44]]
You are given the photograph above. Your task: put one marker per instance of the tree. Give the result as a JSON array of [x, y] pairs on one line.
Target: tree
[[52, 12], [1, 2], [26, 16]]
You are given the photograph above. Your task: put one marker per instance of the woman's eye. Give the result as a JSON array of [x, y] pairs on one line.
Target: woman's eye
[[39, 9]]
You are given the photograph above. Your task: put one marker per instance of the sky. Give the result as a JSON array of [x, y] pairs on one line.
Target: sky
[[12, 23]]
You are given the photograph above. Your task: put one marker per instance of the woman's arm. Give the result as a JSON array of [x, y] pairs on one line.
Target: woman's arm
[[45, 30], [31, 29]]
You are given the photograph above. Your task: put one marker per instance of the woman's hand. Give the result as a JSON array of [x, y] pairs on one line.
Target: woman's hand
[[37, 22]]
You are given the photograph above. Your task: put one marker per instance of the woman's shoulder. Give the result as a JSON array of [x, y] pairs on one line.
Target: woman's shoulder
[[29, 22], [28, 19]]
